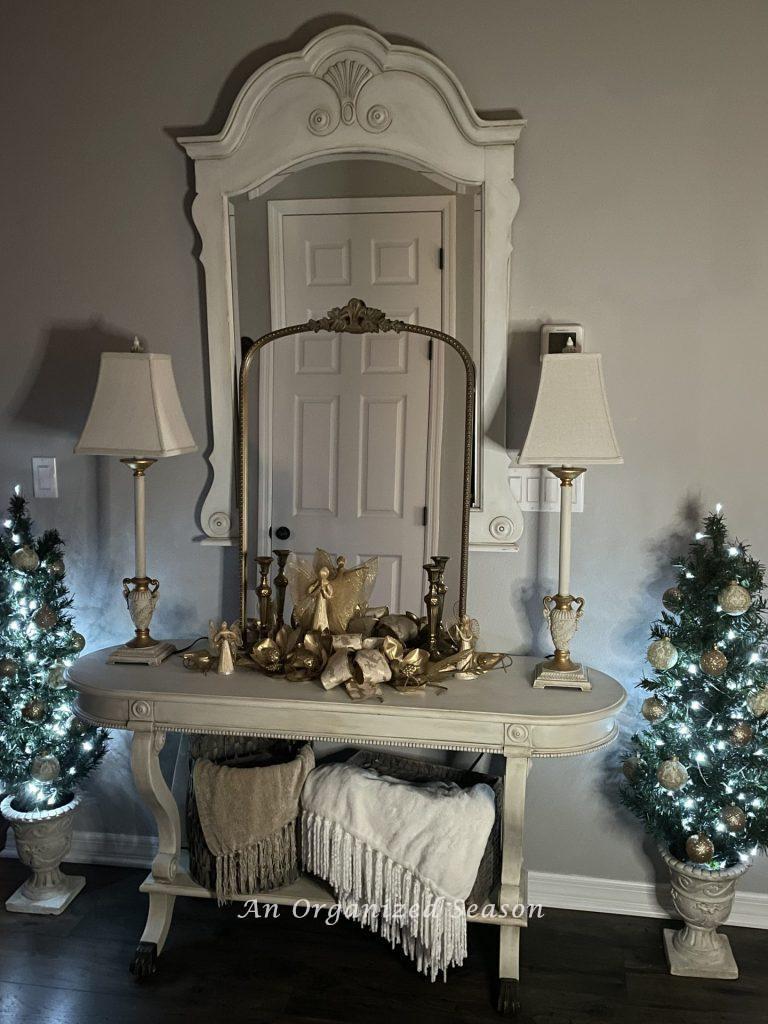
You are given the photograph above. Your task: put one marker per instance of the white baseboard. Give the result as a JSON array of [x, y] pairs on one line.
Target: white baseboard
[[562, 892]]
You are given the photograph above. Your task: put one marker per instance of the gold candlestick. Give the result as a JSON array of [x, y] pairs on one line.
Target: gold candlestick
[[264, 594], [432, 601], [281, 584]]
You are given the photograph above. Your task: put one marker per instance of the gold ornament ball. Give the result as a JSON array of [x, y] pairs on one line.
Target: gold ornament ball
[[8, 668], [672, 599], [55, 677], [699, 848], [734, 599], [56, 567], [733, 817], [713, 662], [78, 642], [45, 617], [741, 733], [662, 654], [45, 768], [631, 768], [757, 702], [34, 710], [25, 559], [654, 709], [672, 774], [77, 727]]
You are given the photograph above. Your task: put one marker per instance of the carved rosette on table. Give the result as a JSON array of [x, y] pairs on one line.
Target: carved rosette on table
[[347, 77], [704, 899]]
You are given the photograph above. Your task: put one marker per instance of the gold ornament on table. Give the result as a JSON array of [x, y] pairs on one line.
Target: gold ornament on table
[[734, 599], [654, 709], [45, 617], [672, 774], [45, 768], [734, 817], [25, 559], [225, 640], [741, 733], [699, 848], [198, 661], [34, 710], [672, 599], [713, 662], [325, 594], [756, 702], [270, 654], [663, 654]]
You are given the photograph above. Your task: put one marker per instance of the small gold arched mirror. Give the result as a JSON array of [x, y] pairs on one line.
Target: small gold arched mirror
[[351, 332]]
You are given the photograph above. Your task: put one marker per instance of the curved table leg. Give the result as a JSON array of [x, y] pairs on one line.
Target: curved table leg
[[512, 890], [153, 789]]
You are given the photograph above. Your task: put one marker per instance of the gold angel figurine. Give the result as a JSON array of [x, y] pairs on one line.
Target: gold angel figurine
[[325, 593], [225, 640]]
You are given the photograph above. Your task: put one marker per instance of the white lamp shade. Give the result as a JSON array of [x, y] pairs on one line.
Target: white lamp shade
[[136, 409], [571, 423]]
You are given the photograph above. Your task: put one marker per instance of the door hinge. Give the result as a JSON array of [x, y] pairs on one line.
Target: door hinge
[[441, 258], [424, 516]]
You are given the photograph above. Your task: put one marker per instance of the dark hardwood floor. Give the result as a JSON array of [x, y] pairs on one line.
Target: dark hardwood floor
[[215, 968]]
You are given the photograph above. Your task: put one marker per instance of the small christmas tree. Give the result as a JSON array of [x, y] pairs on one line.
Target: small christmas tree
[[699, 775], [44, 750]]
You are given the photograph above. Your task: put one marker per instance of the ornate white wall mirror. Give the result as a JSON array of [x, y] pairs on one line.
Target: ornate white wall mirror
[[356, 167]]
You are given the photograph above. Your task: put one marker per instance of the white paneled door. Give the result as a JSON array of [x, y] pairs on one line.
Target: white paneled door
[[351, 414]]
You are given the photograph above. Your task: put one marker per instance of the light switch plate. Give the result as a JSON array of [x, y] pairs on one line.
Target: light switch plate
[[44, 482]]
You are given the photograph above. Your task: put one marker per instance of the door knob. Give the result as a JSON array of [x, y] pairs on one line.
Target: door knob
[[282, 533]]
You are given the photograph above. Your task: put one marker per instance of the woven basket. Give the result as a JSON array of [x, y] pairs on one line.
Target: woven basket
[[411, 769], [233, 751]]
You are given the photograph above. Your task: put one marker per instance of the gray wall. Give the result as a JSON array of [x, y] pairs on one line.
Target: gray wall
[[644, 216]]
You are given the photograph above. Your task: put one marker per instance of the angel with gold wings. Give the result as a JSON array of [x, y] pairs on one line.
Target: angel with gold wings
[[325, 594]]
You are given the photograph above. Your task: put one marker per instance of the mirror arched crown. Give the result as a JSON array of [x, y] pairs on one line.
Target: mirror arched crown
[[350, 92]]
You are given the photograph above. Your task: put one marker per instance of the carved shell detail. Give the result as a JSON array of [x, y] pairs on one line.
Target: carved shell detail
[[347, 77]]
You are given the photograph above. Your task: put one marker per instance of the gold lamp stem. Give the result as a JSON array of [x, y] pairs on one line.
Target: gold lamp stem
[[558, 610], [141, 600]]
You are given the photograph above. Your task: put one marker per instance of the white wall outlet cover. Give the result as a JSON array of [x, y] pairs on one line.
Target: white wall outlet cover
[[558, 338], [44, 481]]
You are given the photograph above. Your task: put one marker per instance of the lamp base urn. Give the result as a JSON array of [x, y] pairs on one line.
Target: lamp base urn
[[704, 900], [43, 840]]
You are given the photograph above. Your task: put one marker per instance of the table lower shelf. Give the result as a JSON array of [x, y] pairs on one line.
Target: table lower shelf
[[314, 893]]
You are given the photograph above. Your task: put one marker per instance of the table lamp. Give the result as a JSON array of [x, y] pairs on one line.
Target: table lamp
[[136, 416], [570, 429]]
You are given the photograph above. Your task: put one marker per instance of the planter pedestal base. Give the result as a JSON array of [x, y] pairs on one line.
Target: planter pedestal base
[[716, 963], [56, 903]]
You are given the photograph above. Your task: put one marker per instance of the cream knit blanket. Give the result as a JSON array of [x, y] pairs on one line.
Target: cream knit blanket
[[401, 857], [248, 817]]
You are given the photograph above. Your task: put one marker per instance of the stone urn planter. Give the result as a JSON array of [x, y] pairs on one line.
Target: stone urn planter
[[704, 900], [43, 840]]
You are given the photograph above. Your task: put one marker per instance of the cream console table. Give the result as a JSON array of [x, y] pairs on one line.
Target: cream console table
[[499, 713]]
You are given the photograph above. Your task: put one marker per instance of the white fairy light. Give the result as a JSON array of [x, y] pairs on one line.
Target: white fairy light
[[18, 586], [690, 803], [757, 802], [689, 575], [699, 536], [694, 705], [721, 827], [7, 524], [692, 670], [731, 634], [72, 771], [32, 605], [733, 552], [15, 538], [700, 757], [754, 656], [718, 507], [87, 745], [31, 657]]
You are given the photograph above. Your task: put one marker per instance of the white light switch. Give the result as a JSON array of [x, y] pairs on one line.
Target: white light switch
[[44, 481]]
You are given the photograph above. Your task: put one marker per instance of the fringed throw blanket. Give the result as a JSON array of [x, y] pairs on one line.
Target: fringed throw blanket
[[248, 817], [401, 857]]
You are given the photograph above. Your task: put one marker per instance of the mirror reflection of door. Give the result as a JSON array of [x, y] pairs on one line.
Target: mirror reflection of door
[[356, 419]]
